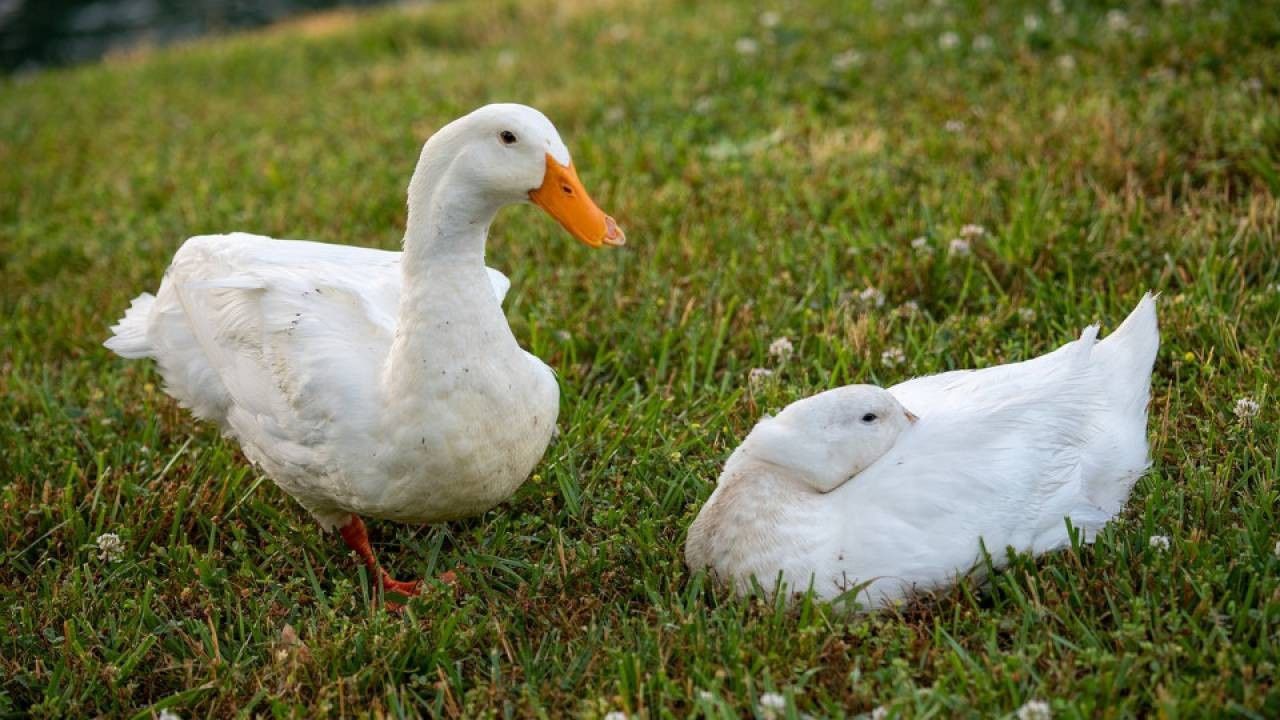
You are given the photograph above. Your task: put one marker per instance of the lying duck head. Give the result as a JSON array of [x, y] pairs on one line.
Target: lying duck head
[[825, 439], [500, 155]]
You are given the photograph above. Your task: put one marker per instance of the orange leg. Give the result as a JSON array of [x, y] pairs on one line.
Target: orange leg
[[358, 539]]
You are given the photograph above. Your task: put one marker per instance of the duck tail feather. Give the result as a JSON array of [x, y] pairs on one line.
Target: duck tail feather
[[1119, 453], [1129, 353], [129, 336]]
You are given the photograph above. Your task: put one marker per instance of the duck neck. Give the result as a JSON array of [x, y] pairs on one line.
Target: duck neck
[[760, 520], [448, 310], [764, 497], [448, 219]]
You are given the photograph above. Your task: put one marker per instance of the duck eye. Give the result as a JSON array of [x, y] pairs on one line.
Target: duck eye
[[508, 137], [869, 418]]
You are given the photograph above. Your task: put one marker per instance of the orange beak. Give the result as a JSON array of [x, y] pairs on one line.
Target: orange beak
[[911, 417], [564, 199]]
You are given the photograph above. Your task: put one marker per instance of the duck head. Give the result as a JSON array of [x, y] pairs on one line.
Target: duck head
[[504, 154], [830, 437]]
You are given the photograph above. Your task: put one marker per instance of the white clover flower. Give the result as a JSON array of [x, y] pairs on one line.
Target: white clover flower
[[958, 247], [893, 357], [770, 19], [757, 377], [1027, 315], [983, 43], [781, 349], [1253, 84], [1056, 7], [1066, 62], [771, 703], [168, 714], [1277, 550], [619, 32], [746, 46], [871, 297], [1034, 710], [910, 307], [1159, 542], [921, 245], [948, 40], [954, 126], [706, 695], [615, 715], [614, 115], [1117, 20], [1246, 409], [880, 713], [110, 548], [847, 59], [704, 104], [506, 59], [1031, 22], [971, 231]]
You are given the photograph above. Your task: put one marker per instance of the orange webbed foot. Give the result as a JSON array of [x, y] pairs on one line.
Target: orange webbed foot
[[357, 538], [398, 587]]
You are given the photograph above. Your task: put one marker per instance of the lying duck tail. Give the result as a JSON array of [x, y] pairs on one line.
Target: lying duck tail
[[1128, 354], [1118, 453], [1113, 453]]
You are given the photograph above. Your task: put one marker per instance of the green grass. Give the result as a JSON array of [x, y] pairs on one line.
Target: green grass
[[761, 193]]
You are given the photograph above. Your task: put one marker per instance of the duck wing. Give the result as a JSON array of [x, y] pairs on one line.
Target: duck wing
[[279, 341], [989, 453], [1117, 371]]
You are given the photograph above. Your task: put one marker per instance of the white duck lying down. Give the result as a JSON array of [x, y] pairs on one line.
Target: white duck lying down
[[375, 383], [894, 490]]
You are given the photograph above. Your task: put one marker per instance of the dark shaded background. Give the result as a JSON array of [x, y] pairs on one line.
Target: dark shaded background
[[36, 34]]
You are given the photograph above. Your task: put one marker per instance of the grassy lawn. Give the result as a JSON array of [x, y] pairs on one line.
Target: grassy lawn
[[768, 169]]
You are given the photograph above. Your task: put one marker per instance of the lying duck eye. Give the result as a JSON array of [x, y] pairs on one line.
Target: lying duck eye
[[508, 137], [869, 418]]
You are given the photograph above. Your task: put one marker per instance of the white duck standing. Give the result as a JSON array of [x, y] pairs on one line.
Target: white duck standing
[[891, 492], [374, 383]]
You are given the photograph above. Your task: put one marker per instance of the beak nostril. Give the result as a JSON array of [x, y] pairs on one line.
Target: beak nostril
[[567, 190]]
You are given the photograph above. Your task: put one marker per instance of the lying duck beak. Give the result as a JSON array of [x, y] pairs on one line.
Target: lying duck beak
[[911, 417], [564, 199]]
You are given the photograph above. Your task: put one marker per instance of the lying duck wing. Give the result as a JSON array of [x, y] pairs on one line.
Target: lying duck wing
[[1119, 366], [1005, 454]]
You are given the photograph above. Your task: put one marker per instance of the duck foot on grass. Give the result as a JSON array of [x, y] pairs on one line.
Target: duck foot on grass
[[357, 538]]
